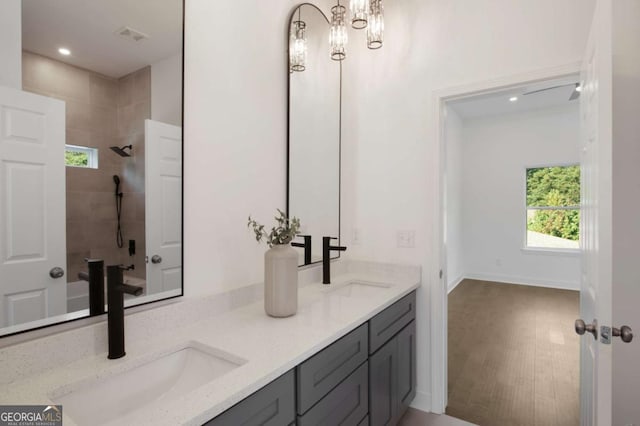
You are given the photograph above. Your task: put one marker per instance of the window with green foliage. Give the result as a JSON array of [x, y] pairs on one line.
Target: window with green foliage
[[81, 156], [553, 207]]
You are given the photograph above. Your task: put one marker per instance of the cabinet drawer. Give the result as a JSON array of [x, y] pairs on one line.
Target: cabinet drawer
[[322, 372], [387, 323], [273, 405], [346, 405]]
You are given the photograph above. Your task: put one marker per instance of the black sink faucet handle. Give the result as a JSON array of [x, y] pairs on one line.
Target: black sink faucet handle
[[307, 248], [327, 248]]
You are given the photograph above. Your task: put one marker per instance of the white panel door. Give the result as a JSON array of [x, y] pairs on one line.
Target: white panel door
[[32, 207], [626, 204], [163, 197], [596, 214]]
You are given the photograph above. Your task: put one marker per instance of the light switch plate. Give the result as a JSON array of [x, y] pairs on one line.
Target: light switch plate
[[406, 238]]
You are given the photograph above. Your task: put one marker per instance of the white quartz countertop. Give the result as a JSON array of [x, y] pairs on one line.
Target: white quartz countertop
[[270, 346]]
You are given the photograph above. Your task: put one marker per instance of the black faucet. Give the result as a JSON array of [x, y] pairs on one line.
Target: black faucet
[[95, 277], [307, 248], [116, 288], [327, 248]]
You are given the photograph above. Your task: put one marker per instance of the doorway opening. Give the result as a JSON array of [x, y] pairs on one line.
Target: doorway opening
[[511, 198]]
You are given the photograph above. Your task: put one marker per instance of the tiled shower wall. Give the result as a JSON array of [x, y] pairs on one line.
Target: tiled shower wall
[[134, 107], [100, 112]]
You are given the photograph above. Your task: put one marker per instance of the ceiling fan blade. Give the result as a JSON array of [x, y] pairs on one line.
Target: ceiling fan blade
[[547, 88]]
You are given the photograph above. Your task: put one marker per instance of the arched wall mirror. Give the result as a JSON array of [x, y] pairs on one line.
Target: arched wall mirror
[[313, 193], [91, 158]]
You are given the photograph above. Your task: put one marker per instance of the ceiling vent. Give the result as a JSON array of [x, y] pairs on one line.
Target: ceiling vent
[[131, 34]]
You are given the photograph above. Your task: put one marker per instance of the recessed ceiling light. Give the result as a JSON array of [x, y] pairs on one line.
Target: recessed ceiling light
[[578, 88], [513, 99], [64, 51]]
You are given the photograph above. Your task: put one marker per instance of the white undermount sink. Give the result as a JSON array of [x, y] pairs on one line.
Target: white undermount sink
[[359, 289], [117, 398]]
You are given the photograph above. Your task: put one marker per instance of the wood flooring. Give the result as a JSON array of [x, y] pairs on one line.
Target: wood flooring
[[513, 355]]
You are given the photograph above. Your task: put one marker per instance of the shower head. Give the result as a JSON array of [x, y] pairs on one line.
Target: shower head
[[121, 151], [116, 179]]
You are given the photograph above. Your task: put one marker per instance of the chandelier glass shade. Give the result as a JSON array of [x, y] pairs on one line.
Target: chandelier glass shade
[[375, 28], [359, 11], [298, 46], [338, 33]]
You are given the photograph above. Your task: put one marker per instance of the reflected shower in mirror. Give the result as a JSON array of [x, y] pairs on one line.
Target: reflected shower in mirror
[[93, 161], [314, 130]]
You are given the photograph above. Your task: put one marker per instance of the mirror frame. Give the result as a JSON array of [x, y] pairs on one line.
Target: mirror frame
[[103, 316], [291, 16]]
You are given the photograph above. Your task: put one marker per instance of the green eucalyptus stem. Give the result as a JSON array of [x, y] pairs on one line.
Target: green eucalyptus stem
[[283, 233]]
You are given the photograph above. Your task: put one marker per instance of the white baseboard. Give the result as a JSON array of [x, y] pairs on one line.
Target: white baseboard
[[536, 282], [422, 401], [453, 284]]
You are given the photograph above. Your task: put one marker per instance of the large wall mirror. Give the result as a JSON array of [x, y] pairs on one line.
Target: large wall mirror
[[91, 158], [314, 130]]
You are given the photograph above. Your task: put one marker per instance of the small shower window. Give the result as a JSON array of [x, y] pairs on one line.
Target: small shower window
[[81, 156]]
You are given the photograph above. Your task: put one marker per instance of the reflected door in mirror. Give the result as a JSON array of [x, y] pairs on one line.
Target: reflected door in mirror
[[73, 155]]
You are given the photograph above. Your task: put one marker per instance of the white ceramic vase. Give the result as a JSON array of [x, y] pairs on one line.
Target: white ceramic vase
[[281, 281]]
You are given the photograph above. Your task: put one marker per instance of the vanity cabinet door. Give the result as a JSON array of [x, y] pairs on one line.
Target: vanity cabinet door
[[273, 405], [406, 341], [346, 405], [323, 371], [383, 385], [387, 323], [392, 378]]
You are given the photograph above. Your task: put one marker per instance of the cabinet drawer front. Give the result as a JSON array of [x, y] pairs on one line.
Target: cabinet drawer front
[[387, 323], [322, 372], [345, 405], [273, 405]]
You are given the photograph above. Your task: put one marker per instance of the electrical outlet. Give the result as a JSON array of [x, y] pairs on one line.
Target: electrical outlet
[[406, 239], [356, 238]]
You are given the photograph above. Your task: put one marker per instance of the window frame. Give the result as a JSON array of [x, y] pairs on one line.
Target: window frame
[[92, 155], [549, 250]]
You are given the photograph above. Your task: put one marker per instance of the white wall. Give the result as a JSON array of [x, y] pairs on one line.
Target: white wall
[[454, 234], [235, 137], [166, 90], [11, 43], [496, 152], [391, 162]]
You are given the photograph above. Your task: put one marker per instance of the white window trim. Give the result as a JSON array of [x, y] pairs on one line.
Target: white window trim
[[548, 251], [92, 155]]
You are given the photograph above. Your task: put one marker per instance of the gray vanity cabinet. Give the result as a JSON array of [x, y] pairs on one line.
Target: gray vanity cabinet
[[389, 322], [324, 371], [392, 365], [364, 378], [273, 405], [346, 405], [392, 372], [406, 341], [383, 385]]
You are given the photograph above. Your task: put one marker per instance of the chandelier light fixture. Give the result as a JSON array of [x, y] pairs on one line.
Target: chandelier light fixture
[[338, 34], [375, 28], [359, 11], [298, 45]]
